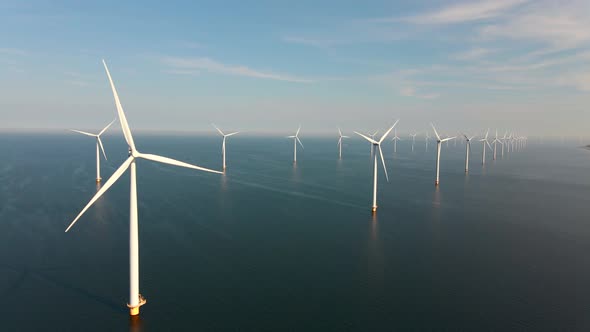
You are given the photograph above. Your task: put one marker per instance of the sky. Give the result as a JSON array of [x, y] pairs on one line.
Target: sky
[[269, 66]]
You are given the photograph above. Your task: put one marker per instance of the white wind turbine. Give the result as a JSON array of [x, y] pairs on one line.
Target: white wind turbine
[[438, 146], [395, 139], [426, 139], [98, 146], [484, 142], [340, 143], [135, 298], [295, 140], [223, 144], [378, 145], [373, 137], [413, 136], [496, 141], [503, 139], [467, 151]]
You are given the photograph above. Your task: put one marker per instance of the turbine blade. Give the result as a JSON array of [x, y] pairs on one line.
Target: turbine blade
[[171, 161], [447, 139], [298, 129], [104, 188], [435, 132], [488, 143], [107, 127], [345, 137], [231, 134], [219, 130], [367, 138], [299, 142], [101, 147], [472, 137], [383, 162], [122, 118], [339, 141], [388, 131], [83, 132], [290, 136], [487, 133], [467, 138]]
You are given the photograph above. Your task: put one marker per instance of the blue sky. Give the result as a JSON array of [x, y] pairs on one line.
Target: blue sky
[[267, 66]]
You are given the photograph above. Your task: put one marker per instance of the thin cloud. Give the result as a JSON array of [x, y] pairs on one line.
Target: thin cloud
[[411, 92], [13, 51], [580, 81], [309, 42], [461, 13], [213, 66], [182, 72], [557, 27], [473, 54]]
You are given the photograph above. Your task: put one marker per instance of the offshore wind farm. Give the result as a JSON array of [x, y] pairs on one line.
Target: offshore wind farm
[[231, 224]]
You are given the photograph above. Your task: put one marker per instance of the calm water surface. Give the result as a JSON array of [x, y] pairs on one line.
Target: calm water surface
[[272, 247]]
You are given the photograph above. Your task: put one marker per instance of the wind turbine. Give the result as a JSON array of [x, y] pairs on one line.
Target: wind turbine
[[503, 139], [496, 141], [223, 145], [135, 298], [373, 137], [438, 146], [467, 151], [98, 146], [295, 140], [377, 144], [413, 136], [395, 139], [340, 143], [484, 142], [426, 139]]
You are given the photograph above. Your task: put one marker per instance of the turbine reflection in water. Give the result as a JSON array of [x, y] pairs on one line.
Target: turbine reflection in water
[[375, 268]]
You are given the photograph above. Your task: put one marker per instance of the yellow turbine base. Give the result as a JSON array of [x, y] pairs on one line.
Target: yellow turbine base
[[374, 209], [436, 183], [98, 180], [134, 311]]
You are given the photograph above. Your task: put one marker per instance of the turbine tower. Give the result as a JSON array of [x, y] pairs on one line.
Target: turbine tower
[[426, 139], [438, 146], [395, 139], [135, 298], [372, 137], [340, 143], [377, 144], [295, 140], [503, 139], [467, 151], [484, 142], [223, 144], [496, 141], [98, 146], [413, 136]]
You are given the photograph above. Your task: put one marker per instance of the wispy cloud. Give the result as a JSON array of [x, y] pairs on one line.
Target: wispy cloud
[[473, 54], [461, 13], [207, 64], [578, 80], [182, 72], [411, 92], [309, 42], [77, 79], [13, 51], [562, 26]]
